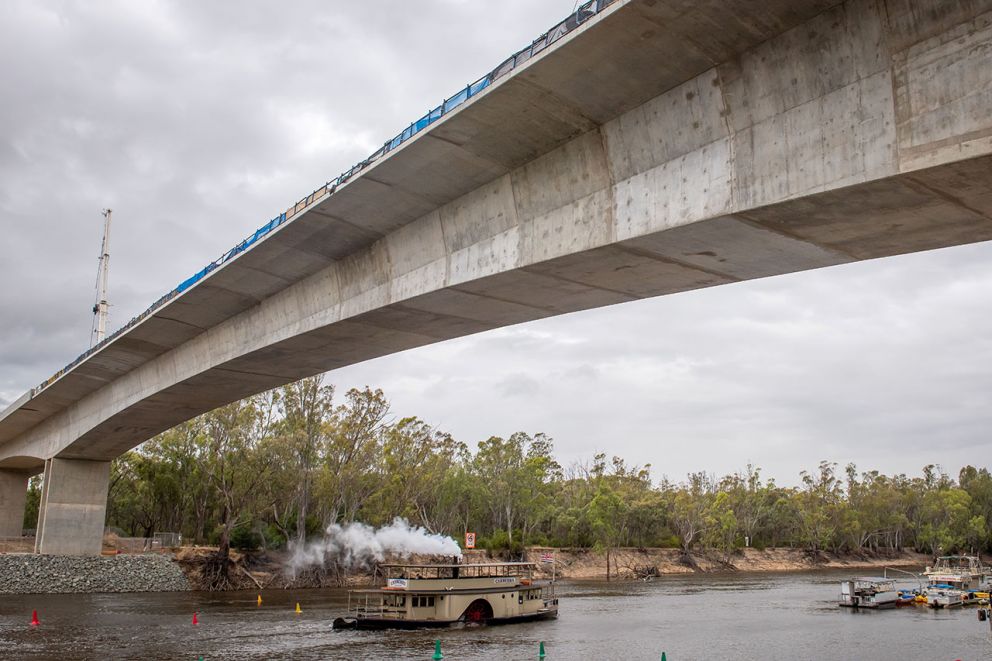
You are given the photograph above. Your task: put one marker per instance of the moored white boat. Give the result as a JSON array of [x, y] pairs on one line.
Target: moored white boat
[[955, 580], [944, 598], [868, 592], [965, 573]]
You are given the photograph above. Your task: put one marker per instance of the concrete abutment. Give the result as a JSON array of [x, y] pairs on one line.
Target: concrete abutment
[[73, 507]]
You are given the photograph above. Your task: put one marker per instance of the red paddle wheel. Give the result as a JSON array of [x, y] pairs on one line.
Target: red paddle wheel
[[478, 612]]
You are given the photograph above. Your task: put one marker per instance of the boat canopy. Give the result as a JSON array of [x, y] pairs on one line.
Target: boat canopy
[[441, 571]]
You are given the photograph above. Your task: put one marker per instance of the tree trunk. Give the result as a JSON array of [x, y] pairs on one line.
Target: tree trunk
[[301, 517], [224, 547]]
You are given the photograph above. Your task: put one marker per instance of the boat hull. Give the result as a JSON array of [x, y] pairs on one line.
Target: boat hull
[[871, 605], [394, 623]]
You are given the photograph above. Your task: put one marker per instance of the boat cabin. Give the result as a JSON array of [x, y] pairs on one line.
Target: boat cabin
[[960, 572], [868, 592]]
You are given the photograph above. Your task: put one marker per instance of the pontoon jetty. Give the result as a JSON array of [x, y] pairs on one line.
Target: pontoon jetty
[[443, 595]]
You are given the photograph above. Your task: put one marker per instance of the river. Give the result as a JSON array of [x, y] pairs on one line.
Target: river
[[731, 616]]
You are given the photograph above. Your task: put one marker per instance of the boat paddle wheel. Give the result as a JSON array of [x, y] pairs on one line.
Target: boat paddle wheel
[[478, 612]]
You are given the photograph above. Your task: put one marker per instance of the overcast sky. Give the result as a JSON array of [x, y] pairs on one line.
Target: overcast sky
[[197, 122]]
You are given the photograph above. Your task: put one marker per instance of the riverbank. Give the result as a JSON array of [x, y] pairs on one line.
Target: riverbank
[[59, 574], [270, 570], [163, 572], [629, 563]]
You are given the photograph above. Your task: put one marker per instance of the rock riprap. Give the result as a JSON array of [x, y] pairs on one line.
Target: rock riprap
[[34, 574]]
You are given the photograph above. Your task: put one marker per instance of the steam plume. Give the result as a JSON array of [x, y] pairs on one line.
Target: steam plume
[[357, 544]]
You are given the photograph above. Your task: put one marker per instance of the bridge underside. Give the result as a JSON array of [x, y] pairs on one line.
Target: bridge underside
[[938, 207], [863, 132]]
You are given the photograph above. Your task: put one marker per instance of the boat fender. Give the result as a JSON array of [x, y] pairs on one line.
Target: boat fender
[[982, 615]]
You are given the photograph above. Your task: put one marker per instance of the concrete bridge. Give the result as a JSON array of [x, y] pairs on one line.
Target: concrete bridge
[[657, 148]]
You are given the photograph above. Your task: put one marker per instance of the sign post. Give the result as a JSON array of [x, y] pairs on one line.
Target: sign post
[[470, 540]]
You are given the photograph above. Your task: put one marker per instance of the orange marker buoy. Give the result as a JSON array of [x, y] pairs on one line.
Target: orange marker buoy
[[34, 619], [195, 621], [298, 610], [259, 600]]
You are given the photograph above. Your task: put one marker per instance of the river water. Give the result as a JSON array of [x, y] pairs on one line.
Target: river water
[[755, 616]]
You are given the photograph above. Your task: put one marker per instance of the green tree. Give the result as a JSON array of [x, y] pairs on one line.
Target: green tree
[[351, 467], [307, 408], [239, 464]]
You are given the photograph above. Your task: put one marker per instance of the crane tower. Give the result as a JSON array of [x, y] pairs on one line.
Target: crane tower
[[102, 275]]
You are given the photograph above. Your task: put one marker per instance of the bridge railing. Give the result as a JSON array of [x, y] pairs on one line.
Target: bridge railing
[[582, 13]]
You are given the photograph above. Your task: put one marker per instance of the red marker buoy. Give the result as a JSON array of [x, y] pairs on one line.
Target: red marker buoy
[[34, 619], [195, 621]]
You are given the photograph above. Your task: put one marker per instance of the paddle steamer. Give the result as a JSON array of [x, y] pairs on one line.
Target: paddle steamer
[[413, 596]]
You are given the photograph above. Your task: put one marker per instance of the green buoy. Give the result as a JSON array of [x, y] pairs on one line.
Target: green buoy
[[541, 654], [437, 650], [663, 657]]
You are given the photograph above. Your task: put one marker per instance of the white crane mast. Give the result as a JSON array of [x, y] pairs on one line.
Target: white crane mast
[[102, 276]]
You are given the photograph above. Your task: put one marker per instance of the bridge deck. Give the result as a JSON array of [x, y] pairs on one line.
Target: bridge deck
[[630, 52]]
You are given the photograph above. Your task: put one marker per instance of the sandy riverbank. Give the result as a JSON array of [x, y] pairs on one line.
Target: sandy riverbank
[[269, 570], [632, 562], [155, 572]]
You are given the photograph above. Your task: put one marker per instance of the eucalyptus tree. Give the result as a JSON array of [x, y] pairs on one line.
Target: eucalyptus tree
[[239, 463], [307, 408], [351, 466]]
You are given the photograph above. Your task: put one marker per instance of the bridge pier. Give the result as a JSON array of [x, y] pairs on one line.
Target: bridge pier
[[73, 507], [13, 494]]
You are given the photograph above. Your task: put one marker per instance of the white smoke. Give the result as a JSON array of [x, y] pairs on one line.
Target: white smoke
[[360, 545]]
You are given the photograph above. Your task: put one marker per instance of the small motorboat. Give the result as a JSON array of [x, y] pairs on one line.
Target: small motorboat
[[944, 597]]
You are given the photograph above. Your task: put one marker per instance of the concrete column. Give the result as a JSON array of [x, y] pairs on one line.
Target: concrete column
[[73, 507], [13, 493]]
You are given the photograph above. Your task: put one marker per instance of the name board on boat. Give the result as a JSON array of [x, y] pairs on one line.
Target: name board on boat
[[504, 580], [396, 583]]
